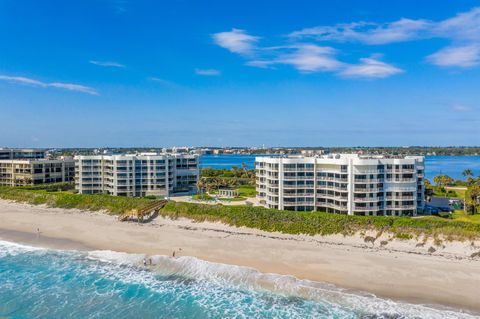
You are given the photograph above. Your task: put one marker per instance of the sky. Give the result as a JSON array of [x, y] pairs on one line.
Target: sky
[[124, 73]]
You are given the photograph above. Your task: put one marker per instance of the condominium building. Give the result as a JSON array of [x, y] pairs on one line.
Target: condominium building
[[137, 174], [21, 172], [21, 153], [344, 183]]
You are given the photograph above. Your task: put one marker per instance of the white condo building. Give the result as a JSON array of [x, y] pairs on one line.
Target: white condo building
[[137, 174], [350, 184]]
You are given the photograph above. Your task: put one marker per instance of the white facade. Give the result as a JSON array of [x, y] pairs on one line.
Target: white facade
[[344, 183], [137, 174]]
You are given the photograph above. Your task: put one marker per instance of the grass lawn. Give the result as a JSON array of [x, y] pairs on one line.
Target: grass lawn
[[202, 197], [460, 215], [233, 199], [449, 192], [247, 191], [460, 192]]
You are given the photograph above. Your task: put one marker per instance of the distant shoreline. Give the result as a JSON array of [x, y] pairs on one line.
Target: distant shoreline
[[400, 270]]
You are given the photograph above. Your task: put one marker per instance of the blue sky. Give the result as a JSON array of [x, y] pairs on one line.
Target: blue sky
[[239, 73]]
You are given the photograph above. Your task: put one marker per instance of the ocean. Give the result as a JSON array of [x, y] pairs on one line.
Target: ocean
[[434, 165], [46, 283]]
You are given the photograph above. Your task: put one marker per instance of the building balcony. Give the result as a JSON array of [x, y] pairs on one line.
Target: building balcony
[[368, 190], [367, 199], [400, 206], [401, 180], [400, 198], [367, 209], [369, 181]]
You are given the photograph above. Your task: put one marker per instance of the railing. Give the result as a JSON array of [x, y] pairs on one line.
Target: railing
[[290, 178], [399, 198], [369, 171], [298, 169], [400, 206], [401, 180], [339, 198], [367, 199], [368, 190], [369, 180], [336, 179], [365, 209], [332, 187], [331, 205]]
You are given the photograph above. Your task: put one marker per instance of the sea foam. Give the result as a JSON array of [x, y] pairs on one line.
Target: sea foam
[[47, 283]]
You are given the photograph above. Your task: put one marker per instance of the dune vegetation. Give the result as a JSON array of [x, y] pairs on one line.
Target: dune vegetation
[[311, 223], [319, 223]]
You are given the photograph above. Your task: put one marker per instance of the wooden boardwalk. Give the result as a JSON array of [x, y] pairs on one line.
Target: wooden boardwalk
[[139, 215]]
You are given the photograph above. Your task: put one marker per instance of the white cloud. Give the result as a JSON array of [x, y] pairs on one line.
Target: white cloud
[[207, 72], [303, 57], [107, 64], [463, 30], [36, 83], [367, 32], [237, 41], [22, 80], [462, 27], [457, 56], [460, 108], [370, 68]]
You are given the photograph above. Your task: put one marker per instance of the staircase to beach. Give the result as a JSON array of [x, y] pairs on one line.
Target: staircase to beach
[[149, 212]]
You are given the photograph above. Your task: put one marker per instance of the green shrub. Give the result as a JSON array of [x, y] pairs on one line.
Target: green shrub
[[112, 204], [313, 223]]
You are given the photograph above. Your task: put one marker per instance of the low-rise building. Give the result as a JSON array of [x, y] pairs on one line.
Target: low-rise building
[[21, 172], [142, 174], [344, 183], [21, 153]]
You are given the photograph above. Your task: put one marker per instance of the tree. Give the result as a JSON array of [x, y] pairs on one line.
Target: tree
[[442, 180], [427, 183], [467, 173], [438, 180], [472, 198], [447, 180]]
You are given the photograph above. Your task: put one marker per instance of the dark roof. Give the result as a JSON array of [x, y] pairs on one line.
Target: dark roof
[[439, 201]]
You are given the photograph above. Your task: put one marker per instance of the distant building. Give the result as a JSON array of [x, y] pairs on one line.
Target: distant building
[[137, 174], [17, 153], [345, 184]]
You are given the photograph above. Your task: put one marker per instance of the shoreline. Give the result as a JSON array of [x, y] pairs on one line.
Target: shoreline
[[401, 271]]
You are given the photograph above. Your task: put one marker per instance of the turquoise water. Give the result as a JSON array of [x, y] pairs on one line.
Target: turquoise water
[[434, 165], [42, 283]]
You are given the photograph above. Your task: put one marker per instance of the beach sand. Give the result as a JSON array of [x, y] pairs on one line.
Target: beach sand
[[403, 270]]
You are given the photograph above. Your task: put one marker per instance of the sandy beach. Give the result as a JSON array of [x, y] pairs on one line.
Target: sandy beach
[[405, 270]]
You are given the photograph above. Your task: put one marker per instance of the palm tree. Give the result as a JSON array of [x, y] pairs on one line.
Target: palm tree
[[467, 173], [427, 183], [438, 180]]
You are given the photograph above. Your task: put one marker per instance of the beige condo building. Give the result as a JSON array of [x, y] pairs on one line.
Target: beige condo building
[[21, 167]]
